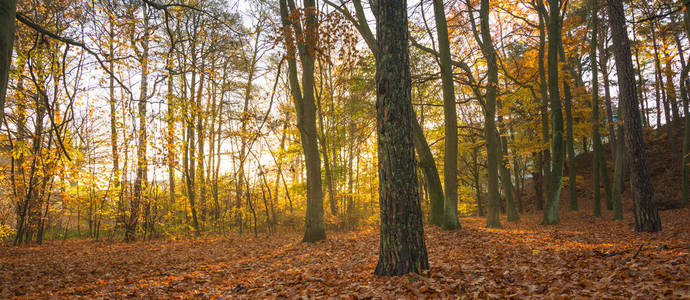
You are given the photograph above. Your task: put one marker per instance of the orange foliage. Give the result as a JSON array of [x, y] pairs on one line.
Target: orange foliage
[[583, 256]]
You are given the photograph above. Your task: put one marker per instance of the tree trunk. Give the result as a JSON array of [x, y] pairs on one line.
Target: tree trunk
[[306, 113], [646, 215], [490, 131], [618, 174], [477, 185], [506, 181], [684, 83], [545, 155], [596, 185], [428, 166], [554, 194], [141, 171], [8, 11], [570, 139], [450, 160], [401, 247]]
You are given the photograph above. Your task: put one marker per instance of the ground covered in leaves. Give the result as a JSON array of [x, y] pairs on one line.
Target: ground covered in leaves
[[593, 258]]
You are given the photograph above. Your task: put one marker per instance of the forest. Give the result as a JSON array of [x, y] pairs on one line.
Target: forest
[[473, 149]]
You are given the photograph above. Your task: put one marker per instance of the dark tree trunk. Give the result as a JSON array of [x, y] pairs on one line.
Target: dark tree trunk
[[8, 10], [450, 160], [402, 249], [646, 215], [557, 152]]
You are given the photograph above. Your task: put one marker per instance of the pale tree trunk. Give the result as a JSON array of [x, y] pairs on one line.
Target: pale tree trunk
[[141, 171], [170, 137], [113, 119], [201, 116], [401, 247], [646, 215]]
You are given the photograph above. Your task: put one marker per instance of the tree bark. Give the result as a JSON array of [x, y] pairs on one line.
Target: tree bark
[[646, 215], [401, 248], [306, 112], [8, 11], [450, 160], [557, 157]]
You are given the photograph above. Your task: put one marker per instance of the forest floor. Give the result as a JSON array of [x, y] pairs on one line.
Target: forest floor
[[583, 256]]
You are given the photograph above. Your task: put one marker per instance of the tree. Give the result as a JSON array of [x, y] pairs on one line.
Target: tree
[[490, 131], [450, 160], [306, 40], [426, 158], [8, 11], [595, 110], [557, 149], [401, 247], [646, 215], [141, 170]]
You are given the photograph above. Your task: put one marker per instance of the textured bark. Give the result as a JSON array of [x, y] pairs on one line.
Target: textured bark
[[402, 249], [8, 11], [646, 215], [450, 160], [557, 151]]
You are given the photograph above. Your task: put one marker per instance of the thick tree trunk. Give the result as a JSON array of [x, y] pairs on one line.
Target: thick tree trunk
[[450, 160], [8, 11], [402, 248], [646, 215]]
